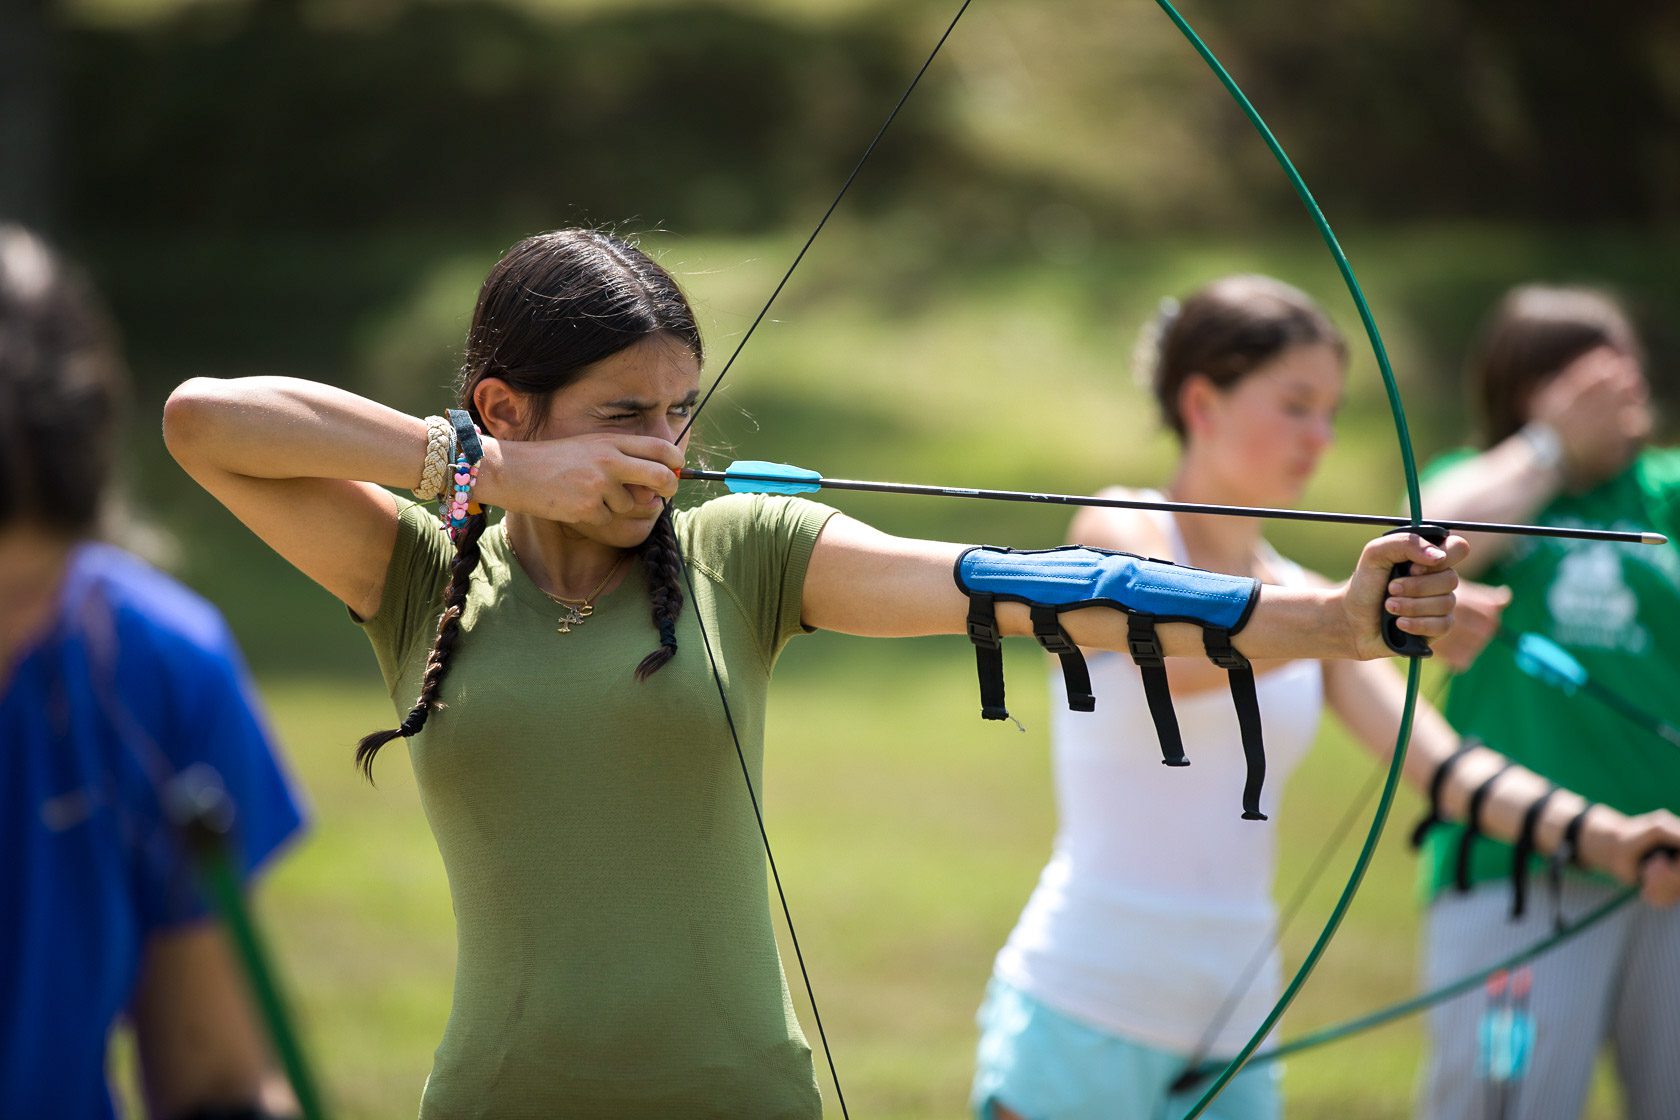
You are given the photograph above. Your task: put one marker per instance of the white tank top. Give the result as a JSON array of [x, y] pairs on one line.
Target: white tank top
[[1158, 894]]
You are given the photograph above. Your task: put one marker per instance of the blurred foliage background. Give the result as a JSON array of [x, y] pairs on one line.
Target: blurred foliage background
[[315, 187]]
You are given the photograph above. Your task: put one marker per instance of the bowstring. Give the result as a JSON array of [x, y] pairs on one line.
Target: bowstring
[[823, 221], [705, 638]]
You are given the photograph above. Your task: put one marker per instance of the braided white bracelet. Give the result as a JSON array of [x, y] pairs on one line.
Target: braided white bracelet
[[440, 442]]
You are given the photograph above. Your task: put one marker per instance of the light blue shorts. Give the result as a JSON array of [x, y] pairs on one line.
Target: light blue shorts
[[1043, 1065]]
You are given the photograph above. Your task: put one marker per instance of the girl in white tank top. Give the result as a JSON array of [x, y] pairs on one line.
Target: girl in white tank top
[[1144, 924], [1150, 947], [1135, 955]]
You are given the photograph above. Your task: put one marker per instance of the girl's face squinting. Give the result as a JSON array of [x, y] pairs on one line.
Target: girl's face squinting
[[1265, 434], [649, 389]]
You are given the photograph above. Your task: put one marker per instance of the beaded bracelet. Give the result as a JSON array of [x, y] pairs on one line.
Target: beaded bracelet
[[458, 505], [440, 445]]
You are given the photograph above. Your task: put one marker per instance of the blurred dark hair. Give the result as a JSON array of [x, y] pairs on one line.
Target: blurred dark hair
[[1530, 336], [62, 390], [1224, 331], [553, 306]]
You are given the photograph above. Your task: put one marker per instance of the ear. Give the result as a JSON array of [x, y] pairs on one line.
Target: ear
[[1198, 403], [504, 411]]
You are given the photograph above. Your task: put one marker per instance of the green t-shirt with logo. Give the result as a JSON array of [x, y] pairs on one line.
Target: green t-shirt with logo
[[615, 955], [1616, 609]]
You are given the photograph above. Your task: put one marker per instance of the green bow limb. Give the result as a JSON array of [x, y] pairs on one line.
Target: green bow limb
[[1414, 500]]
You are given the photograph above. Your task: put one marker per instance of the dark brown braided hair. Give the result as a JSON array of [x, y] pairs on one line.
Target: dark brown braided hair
[[553, 306]]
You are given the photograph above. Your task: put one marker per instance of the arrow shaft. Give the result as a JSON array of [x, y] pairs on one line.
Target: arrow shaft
[[1612, 699], [1630, 711], [1186, 507]]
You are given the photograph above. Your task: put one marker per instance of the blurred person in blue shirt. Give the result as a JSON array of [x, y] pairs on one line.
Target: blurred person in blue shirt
[[114, 680]]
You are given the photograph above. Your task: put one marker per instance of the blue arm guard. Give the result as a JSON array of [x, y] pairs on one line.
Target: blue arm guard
[[1072, 577], [1051, 581]]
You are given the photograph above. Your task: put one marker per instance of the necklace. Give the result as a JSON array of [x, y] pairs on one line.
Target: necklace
[[574, 611]]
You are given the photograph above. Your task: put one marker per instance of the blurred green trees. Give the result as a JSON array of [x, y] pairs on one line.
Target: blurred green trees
[[733, 115]]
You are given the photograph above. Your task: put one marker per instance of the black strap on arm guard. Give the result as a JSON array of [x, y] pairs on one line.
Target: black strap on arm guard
[[1223, 654], [1144, 644], [1473, 827], [1568, 853], [1047, 628], [988, 653], [1437, 784], [1524, 850]]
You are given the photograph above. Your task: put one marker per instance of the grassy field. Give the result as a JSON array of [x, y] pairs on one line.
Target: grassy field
[[908, 834]]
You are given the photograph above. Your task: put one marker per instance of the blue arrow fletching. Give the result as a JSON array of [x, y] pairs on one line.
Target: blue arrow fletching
[[753, 477], [1544, 659]]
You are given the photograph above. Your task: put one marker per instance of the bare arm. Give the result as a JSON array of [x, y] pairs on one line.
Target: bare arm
[[303, 465], [1509, 482], [199, 1043], [1597, 411], [863, 581], [1369, 698]]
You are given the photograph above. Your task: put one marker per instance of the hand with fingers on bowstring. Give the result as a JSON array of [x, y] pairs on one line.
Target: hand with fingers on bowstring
[[580, 480]]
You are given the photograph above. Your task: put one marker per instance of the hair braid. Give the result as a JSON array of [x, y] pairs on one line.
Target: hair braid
[[664, 569], [467, 556]]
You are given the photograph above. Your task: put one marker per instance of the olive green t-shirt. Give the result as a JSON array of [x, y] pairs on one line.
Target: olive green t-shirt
[[615, 952], [1616, 609]]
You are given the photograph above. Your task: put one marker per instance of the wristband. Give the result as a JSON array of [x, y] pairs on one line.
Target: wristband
[[1544, 441], [457, 505], [434, 469], [466, 435]]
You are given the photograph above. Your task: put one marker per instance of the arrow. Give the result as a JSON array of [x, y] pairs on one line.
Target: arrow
[[755, 477], [1545, 660]]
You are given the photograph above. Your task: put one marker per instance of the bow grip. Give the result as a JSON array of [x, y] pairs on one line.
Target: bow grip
[[1408, 645]]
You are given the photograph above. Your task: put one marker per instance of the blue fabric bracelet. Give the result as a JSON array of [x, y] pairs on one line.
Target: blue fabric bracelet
[[466, 435]]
